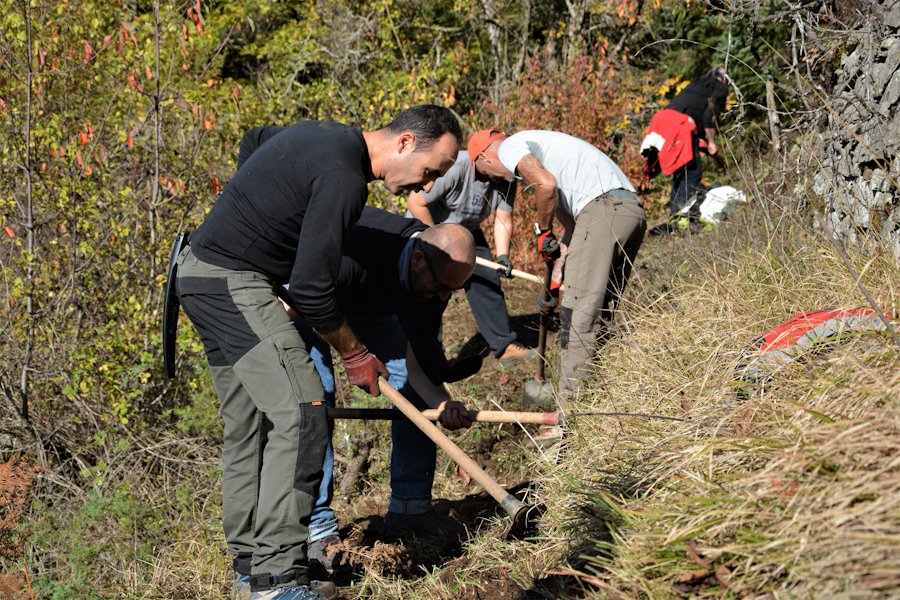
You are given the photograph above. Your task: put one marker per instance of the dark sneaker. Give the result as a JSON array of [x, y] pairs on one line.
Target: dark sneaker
[[426, 525], [663, 229], [240, 587], [328, 553], [295, 592], [516, 353]]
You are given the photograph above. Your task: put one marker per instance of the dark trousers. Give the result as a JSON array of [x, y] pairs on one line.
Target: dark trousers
[[686, 180], [488, 302]]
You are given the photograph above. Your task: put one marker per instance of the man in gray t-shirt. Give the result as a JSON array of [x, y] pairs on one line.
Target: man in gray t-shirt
[[578, 185], [462, 196]]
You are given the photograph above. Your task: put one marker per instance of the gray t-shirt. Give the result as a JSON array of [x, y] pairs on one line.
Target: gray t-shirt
[[582, 171], [458, 197]]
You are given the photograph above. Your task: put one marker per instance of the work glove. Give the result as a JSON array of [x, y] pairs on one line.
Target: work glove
[[506, 271], [547, 244], [363, 369], [454, 415], [548, 306]]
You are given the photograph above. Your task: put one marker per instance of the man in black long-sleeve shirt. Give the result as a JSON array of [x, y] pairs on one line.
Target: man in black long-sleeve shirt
[[284, 218]]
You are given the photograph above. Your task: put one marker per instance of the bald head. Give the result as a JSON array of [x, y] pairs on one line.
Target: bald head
[[443, 260]]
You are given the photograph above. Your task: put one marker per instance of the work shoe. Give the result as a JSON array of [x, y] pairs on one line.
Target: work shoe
[[425, 525], [516, 353], [240, 587], [328, 553], [295, 592]]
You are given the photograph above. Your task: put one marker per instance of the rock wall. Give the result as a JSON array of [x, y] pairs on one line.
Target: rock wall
[[860, 166]]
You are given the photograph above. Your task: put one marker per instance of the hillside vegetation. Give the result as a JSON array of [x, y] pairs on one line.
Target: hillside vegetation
[[120, 124]]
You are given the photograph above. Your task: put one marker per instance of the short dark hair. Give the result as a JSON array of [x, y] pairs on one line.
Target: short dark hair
[[428, 122]]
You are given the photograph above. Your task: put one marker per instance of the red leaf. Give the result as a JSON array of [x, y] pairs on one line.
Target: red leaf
[[10, 232]]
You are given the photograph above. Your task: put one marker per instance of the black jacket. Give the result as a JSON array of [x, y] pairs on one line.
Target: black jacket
[[369, 285], [702, 100]]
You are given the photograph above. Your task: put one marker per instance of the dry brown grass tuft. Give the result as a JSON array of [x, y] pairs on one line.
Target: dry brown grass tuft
[[792, 492]]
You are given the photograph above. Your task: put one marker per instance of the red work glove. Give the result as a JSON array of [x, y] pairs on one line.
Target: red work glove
[[547, 245], [363, 369]]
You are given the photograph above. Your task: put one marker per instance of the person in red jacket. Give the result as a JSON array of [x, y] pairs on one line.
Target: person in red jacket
[[679, 132]]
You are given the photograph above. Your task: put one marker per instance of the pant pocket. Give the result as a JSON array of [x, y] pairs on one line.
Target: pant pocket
[[314, 437], [290, 353]]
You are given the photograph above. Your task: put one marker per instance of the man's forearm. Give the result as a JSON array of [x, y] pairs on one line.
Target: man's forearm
[[503, 226], [418, 207], [342, 339]]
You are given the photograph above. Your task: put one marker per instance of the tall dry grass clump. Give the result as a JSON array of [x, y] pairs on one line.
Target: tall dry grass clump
[[792, 492]]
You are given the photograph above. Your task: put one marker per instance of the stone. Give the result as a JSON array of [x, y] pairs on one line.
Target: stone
[[882, 200], [890, 94], [876, 178], [890, 50], [850, 62]]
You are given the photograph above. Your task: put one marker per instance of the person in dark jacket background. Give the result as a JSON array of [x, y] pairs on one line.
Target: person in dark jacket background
[[702, 100]]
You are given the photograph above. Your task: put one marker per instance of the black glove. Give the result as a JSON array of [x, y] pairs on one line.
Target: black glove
[[548, 245], [548, 306], [503, 259]]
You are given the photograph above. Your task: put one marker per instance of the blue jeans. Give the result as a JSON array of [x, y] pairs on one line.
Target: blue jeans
[[413, 454]]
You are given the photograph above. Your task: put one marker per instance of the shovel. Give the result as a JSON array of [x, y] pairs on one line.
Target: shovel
[[515, 508], [537, 392]]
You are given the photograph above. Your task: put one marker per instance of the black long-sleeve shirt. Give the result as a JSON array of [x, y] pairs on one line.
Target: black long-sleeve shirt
[[702, 100], [289, 209], [370, 285]]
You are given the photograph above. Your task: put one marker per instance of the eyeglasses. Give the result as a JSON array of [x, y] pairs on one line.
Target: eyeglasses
[[439, 287]]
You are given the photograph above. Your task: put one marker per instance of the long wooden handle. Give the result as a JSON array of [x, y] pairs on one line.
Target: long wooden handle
[[433, 414], [513, 506], [515, 272], [541, 374]]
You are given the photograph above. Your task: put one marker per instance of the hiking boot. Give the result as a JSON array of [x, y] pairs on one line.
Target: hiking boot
[[516, 353], [328, 553], [240, 587], [295, 592], [425, 525], [326, 589]]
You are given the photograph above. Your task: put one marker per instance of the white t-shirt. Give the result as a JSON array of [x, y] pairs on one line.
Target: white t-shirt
[[582, 172], [457, 197]]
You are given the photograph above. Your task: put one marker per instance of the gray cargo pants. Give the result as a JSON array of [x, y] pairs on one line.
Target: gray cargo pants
[[260, 368], [608, 233]]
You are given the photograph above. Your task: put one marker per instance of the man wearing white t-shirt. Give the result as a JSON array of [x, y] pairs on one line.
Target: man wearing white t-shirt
[[603, 221]]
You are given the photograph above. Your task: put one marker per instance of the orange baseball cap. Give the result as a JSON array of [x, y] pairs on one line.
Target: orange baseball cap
[[480, 140]]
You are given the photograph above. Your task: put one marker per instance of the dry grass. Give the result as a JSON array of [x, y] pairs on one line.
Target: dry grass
[[792, 493]]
